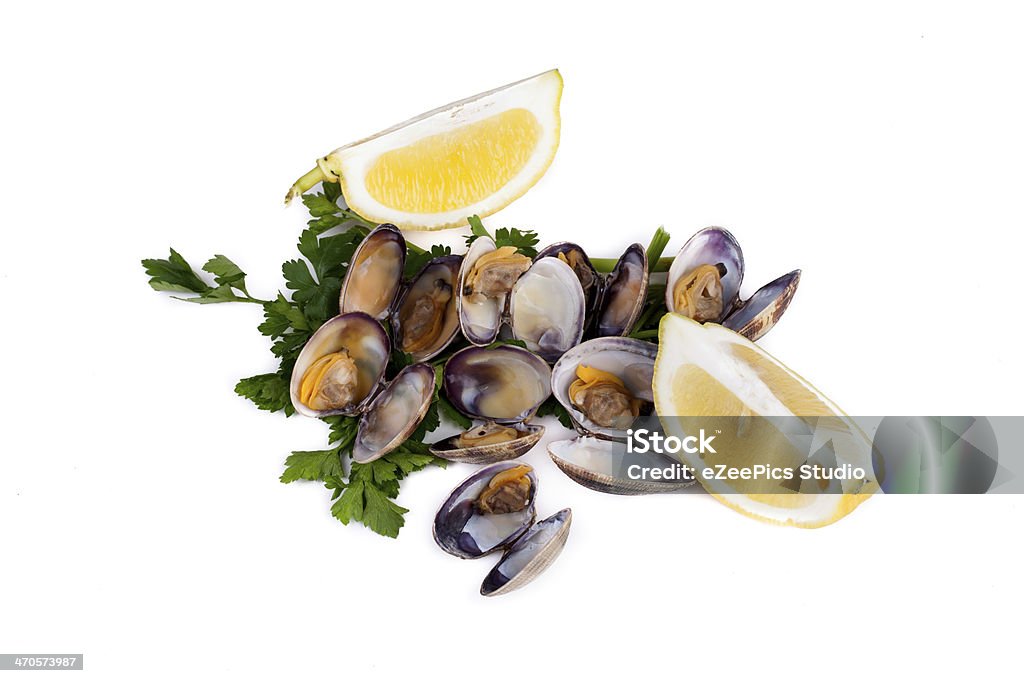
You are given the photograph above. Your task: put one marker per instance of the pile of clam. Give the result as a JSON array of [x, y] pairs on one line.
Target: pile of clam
[[566, 313]]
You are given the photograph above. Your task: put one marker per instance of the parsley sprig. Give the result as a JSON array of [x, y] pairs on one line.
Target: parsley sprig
[[361, 493]]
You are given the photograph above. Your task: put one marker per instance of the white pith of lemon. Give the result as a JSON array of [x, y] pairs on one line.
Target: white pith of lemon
[[707, 371], [474, 156]]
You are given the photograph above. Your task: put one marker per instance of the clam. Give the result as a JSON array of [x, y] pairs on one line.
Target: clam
[[758, 314], [704, 284], [340, 367], [530, 555], [375, 273], [504, 384], [705, 277], [425, 318], [603, 466], [605, 384], [547, 309], [489, 510], [625, 293], [485, 280], [488, 443], [590, 280], [395, 413]]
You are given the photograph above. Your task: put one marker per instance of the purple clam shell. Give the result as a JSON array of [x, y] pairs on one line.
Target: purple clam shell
[[762, 310], [529, 556], [617, 296], [474, 371], [710, 246], [458, 508]]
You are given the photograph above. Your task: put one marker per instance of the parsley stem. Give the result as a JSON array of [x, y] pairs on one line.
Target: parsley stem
[[304, 183], [646, 334], [656, 264], [606, 265]]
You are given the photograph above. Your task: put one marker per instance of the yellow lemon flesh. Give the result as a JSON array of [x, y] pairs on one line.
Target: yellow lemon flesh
[[706, 375], [474, 156], [448, 171]]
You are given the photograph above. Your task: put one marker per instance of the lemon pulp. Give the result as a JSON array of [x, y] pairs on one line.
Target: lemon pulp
[[457, 168]]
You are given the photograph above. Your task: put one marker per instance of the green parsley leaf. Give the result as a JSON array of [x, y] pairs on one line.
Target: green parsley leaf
[[553, 407], [382, 514], [449, 411], [320, 205], [366, 499], [409, 461], [174, 274], [281, 315], [476, 227], [350, 505], [525, 241], [415, 261], [225, 271], [268, 392], [332, 191], [343, 430], [217, 295], [312, 466]]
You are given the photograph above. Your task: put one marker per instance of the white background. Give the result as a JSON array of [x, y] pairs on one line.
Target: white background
[[876, 146]]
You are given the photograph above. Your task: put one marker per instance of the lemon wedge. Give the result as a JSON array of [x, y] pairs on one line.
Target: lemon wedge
[[474, 156], [708, 376]]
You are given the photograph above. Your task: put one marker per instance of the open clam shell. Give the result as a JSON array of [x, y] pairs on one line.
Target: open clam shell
[[425, 318], [711, 246], [590, 280], [395, 413], [504, 384], [461, 530], [529, 556], [625, 293], [591, 462], [480, 319], [449, 449], [375, 274], [758, 314], [547, 309], [366, 343], [631, 360]]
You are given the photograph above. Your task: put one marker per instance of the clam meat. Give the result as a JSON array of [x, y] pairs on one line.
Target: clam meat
[[487, 434], [485, 280], [625, 293], [604, 398], [605, 384], [340, 367], [487, 511], [489, 443], [426, 319], [704, 284]]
